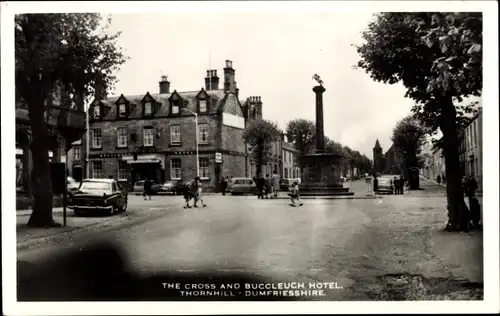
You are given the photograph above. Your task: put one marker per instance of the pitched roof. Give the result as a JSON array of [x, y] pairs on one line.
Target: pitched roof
[[377, 144], [216, 97]]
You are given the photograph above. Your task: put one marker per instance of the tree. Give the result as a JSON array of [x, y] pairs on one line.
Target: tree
[[438, 58], [407, 137], [260, 135], [69, 52], [302, 133]]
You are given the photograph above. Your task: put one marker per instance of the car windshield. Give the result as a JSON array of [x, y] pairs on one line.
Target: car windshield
[[384, 181], [139, 183], [95, 185]]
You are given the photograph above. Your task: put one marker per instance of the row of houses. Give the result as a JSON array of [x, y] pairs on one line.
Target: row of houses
[[470, 151], [154, 135]]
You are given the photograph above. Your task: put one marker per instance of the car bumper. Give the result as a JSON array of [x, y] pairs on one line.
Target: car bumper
[[385, 189], [100, 208]]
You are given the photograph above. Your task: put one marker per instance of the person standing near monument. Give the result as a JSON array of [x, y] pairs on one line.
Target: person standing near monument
[[294, 194], [276, 183]]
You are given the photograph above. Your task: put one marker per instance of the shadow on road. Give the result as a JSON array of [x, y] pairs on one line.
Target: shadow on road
[[100, 274]]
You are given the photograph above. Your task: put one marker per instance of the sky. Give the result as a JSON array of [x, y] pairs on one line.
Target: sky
[[275, 56]]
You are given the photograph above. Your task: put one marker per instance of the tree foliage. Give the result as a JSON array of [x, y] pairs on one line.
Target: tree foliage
[[408, 137], [302, 133], [437, 56], [260, 135], [59, 52], [432, 54]]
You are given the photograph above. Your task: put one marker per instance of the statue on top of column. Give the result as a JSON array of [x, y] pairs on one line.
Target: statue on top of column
[[318, 79]]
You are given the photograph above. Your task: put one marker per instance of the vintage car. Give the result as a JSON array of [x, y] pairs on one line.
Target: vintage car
[[240, 186], [175, 187], [99, 195], [138, 189], [385, 185]]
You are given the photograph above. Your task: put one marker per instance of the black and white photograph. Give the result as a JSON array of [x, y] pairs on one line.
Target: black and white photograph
[[232, 157]]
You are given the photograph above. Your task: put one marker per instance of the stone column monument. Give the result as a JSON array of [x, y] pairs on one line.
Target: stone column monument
[[321, 170]]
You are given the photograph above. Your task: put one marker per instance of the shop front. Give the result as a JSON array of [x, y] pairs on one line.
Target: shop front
[[150, 166]]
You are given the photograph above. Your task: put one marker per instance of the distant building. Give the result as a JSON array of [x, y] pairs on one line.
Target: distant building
[[470, 154], [471, 149], [392, 161], [291, 168]]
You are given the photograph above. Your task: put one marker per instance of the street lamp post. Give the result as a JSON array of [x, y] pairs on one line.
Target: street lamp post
[[197, 135]]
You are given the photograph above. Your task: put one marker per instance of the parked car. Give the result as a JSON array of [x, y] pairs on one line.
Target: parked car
[[240, 186], [386, 185], [138, 189], [72, 184], [175, 187], [101, 195]]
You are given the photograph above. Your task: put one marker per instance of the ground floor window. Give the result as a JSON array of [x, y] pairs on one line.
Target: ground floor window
[[286, 173], [123, 171], [175, 169], [204, 166], [97, 169]]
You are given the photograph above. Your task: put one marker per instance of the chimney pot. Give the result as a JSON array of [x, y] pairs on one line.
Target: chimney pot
[[164, 85], [208, 73], [215, 73]]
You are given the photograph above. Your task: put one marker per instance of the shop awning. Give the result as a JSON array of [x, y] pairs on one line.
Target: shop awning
[[143, 161]]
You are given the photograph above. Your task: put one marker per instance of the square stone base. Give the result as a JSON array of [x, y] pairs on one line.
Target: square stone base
[[321, 175]]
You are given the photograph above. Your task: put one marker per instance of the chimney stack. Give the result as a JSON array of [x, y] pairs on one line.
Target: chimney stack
[[229, 82], [164, 85], [211, 81]]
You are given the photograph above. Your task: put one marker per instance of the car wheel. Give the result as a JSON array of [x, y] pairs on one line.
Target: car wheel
[[123, 208]]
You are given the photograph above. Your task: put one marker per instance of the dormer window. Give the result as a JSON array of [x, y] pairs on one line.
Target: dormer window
[[203, 106], [175, 107], [97, 111], [122, 110], [148, 108]]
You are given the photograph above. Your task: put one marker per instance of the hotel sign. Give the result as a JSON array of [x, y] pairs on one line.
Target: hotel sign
[[218, 157], [233, 120]]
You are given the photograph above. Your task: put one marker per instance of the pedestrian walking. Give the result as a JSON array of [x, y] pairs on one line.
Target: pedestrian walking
[[276, 184], [199, 193], [401, 184], [223, 186], [268, 184], [396, 184], [438, 179], [147, 188], [261, 182], [375, 184], [368, 181], [187, 194], [294, 194]]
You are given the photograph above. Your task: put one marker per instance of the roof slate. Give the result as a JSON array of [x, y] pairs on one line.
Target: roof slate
[[216, 97]]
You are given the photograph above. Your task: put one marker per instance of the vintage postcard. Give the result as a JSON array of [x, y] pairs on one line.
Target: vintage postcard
[[250, 157]]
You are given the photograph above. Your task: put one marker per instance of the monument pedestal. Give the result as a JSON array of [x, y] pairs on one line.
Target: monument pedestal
[[321, 175]]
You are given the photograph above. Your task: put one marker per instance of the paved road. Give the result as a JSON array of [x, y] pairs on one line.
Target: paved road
[[343, 241]]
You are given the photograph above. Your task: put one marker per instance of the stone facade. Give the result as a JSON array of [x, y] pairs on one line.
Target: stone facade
[[154, 135]]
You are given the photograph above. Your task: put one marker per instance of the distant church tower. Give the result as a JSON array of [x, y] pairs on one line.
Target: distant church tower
[[378, 157]]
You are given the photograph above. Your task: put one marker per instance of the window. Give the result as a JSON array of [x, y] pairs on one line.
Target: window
[[203, 130], [286, 173], [148, 110], [97, 169], [113, 186], [175, 169], [204, 168], [175, 134], [123, 170], [175, 107], [78, 152], [97, 111], [203, 106], [121, 137], [96, 138], [284, 156], [148, 136], [122, 110]]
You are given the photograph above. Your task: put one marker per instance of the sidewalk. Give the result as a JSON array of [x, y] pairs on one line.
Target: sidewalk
[[479, 193]]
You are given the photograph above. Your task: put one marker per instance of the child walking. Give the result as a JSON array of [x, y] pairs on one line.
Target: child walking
[[199, 194], [294, 194]]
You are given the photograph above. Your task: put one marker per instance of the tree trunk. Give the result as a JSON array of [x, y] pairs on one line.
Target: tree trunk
[[458, 218], [40, 175]]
